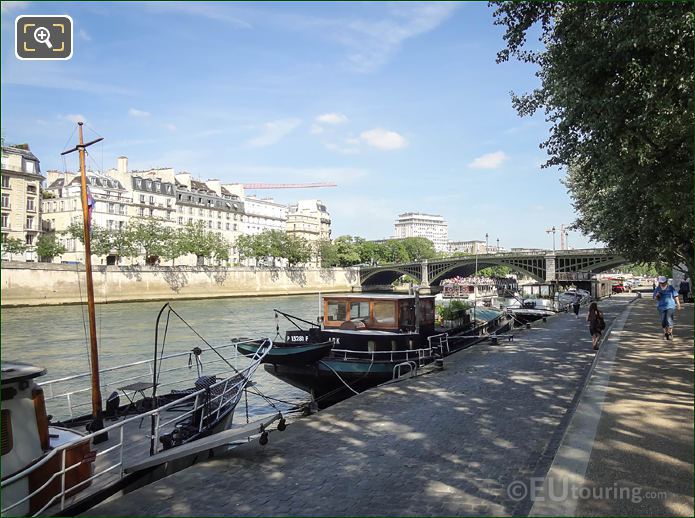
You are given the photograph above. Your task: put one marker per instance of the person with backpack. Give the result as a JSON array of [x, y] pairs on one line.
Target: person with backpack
[[596, 324], [667, 301]]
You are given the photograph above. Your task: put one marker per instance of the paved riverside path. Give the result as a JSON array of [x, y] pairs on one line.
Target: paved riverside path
[[447, 443], [629, 448]]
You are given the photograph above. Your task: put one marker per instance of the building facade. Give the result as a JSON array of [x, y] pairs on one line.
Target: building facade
[[62, 206], [467, 247], [309, 219], [21, 192], [416, 224]]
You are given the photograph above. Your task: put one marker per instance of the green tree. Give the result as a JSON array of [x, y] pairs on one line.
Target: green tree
[[495, 271], [419, 248], [13, 245], [347, 250], [99, 238], [195, 239], [48, 247], [616, 86], [295, 249], [149, 236], [328, 253]]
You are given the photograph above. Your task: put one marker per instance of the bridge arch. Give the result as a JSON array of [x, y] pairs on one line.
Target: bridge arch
[[466, 268], [387, 275]]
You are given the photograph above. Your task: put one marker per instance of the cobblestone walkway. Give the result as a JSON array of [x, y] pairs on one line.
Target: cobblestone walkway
[[446, 443]]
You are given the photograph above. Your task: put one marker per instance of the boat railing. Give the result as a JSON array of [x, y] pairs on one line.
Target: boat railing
[[412, 369], [70, 389], [381, 356], [115, 452], [439, 342]]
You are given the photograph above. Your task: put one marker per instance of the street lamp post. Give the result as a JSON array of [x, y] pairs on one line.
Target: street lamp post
[[486, 242], [498, 245], [552, 230]]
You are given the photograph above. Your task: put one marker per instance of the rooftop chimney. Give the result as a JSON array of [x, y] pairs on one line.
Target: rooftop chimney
[[122, 164]]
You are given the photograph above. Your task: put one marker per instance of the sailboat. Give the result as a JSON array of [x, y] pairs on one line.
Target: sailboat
[[144, 432]]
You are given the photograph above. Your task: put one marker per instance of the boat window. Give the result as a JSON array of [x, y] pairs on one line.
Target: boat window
[[427, 311], [337, 311], [6, 432], [407, 313], [384, 312], [359, 310]]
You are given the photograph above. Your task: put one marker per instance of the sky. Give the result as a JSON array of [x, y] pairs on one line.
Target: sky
[[400, 104]]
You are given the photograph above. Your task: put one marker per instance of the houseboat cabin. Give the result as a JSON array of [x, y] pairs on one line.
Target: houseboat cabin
[[382, 312]]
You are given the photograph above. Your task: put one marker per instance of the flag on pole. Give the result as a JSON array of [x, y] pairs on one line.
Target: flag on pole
[[90, 206]]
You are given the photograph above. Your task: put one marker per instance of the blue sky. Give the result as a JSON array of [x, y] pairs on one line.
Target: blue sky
[[401, 104]]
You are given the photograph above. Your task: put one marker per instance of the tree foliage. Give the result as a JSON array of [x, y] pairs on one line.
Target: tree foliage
[[13, 245], [349, 250], [48, 247], [616, 86], [271, 245]]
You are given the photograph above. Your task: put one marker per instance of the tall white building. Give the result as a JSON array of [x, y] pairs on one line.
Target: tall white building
[[417, 224]]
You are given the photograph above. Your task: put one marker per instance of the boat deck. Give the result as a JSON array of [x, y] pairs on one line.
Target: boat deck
[[111, 460]]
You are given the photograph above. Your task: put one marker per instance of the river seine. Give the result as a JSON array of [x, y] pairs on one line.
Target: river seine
[[54, 337]]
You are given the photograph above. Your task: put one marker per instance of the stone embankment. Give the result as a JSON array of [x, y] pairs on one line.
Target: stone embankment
[[33, 284]]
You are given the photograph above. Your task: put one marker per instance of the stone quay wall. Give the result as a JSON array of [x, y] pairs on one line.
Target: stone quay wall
[[34, 284]]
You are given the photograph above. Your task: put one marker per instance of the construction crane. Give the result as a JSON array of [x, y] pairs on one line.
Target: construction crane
[[564, 235], [287, 185]]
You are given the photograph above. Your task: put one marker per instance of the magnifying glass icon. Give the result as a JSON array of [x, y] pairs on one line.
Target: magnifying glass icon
[[42, 35]]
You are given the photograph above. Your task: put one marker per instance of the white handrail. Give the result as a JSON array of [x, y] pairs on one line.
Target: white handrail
[[244, 377]]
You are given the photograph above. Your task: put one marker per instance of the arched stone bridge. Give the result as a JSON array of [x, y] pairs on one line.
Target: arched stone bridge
[[543, 266]]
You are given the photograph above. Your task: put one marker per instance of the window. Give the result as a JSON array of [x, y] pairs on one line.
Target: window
[[190, 211], [359, 310], [53, 206], [30, 239], [200, 212], [219, 225], [30, 223], [210, 213], [112, 208], [120, 225], [337, 311], [234, 226], [384, 312], [227, 226], [30, 204], [5, 221], [141, 211], [151, 212], [5, 185], [109, 224], [142, 198], [138, 182], [151, 200], [62, 206], [29, 166], [5, 201], [31, 189], [180, 220], [169, 202], [190, 220], [209, 224], [121, 209]]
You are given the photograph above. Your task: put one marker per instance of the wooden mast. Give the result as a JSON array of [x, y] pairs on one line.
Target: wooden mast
[[97, 415]]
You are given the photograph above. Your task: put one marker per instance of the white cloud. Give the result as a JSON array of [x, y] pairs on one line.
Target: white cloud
[[8, 7], [170, 127], [138, 113], [84, 35], [383, 139], [74, 118], [273, 132], [489, 161], [332, 118]]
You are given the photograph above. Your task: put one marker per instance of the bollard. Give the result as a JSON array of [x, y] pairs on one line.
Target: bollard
[[439, 364], [545, 319], [493, 339], [528, 325]]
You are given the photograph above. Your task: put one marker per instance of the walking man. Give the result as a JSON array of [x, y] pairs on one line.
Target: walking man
[[667, 300]]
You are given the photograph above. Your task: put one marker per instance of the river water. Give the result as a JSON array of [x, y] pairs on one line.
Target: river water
[[54, 336]]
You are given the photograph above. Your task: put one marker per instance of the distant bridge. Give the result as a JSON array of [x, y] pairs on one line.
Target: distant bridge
[[543, 266]]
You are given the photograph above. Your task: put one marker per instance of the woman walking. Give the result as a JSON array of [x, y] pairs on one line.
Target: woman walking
[[596, 324], [667, 299]]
